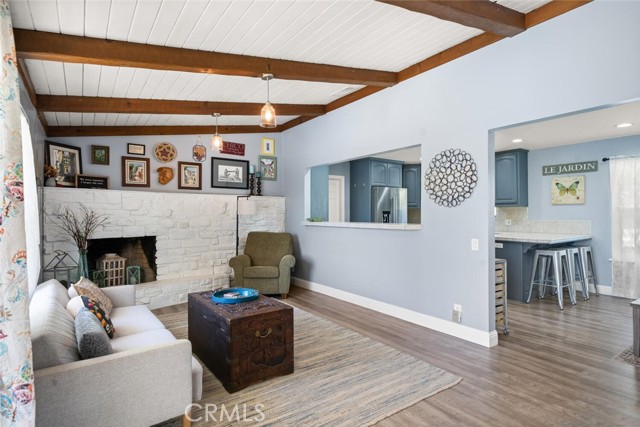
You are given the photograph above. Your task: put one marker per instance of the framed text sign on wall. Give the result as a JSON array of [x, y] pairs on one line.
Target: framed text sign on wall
[[564, 168]]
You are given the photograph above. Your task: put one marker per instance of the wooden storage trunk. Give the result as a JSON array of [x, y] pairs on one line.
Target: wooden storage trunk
[[244, 343]]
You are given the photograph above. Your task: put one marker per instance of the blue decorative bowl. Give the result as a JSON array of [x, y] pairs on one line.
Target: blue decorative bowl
[[234, 295]]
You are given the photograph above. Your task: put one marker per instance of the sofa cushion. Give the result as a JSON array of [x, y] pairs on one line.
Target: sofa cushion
[[51, 289], [158, 336], [91, 337], [103, 318], [53, 334], [134, 319], [261, 272], [86, 287]]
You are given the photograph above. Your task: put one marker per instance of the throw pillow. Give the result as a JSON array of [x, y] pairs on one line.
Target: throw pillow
[[72, 291], [92, 339], [74, 305], [102, 316], [86, 287]]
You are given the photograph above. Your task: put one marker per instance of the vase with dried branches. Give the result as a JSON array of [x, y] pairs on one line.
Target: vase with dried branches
[[79, 227]]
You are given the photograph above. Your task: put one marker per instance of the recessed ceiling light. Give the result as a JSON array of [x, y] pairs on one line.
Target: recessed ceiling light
[[624, 125], [517, 140]]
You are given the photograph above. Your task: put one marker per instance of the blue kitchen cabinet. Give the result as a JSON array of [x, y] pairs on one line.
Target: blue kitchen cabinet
[[511, 178], [411, 181]]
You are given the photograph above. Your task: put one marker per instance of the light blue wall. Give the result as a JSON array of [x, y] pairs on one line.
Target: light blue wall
[[585, 58], [183, 144], [597, 206]]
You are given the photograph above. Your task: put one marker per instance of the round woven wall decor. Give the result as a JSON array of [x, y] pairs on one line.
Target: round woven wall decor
[[451, 177], [165, 152]]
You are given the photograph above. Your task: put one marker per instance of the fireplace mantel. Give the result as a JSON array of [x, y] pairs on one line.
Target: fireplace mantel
[[195, 233]]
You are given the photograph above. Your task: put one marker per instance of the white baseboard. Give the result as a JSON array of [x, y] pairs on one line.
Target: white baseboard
[[476, 336], [602, 290]]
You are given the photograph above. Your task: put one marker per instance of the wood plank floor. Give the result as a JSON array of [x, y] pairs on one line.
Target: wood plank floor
[[554, 368]]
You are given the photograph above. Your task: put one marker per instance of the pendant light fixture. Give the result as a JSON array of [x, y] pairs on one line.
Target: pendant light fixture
[[268, 113], [216, 139]]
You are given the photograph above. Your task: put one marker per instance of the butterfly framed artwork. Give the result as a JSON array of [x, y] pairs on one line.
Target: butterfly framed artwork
[[567, 190]]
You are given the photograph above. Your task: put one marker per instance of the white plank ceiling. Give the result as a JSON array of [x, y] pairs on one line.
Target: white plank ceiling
[[354, 33]]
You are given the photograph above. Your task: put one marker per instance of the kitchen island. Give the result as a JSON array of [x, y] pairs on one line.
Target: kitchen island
[[518, 249]]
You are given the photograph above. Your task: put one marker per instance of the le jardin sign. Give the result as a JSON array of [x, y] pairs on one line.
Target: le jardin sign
[[582, 167]]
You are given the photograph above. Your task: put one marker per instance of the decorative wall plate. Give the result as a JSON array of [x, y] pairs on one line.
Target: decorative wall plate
[[451, 177], [165, 152], [165, 175]]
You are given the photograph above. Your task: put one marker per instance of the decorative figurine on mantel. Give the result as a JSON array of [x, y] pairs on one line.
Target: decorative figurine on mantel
[[50, 172], [259, 183], [79, 227]]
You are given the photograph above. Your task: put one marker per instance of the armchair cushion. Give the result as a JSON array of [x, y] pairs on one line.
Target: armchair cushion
[[261, 272]]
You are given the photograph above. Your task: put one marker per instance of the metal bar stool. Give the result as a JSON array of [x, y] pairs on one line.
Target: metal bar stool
[[588, 267], [575, 266], [546, 259]]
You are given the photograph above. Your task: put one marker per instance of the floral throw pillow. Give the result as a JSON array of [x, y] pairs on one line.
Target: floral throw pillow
[[105, 321], [86, 287]]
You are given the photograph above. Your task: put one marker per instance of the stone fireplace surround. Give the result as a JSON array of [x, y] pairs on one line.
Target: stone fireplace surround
[[195, 233]]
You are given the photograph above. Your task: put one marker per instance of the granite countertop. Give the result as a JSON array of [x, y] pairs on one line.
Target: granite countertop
[[547, 238]]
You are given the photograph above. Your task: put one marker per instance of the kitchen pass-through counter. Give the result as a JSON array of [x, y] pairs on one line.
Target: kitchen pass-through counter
[[518, 249]]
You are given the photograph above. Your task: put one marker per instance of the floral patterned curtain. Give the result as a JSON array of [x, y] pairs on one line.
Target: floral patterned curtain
[[17, 405]]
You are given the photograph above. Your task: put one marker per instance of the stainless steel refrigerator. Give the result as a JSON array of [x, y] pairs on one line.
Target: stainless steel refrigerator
[[389, 205]]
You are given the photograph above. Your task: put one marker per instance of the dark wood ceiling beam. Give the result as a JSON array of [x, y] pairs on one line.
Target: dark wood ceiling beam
[[482, 14], [153, 130], [86, 104], [84, 50]]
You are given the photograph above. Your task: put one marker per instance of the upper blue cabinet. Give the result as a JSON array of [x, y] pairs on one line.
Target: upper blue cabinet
[[511, 178], [411, 181]]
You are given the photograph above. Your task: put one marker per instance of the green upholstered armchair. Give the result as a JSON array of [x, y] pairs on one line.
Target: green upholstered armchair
[[266, 263]]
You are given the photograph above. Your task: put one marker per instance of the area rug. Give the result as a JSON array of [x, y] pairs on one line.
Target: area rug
[[341, 378], [628, 357]]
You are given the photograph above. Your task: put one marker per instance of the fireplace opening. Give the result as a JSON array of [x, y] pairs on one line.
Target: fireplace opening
[[137, 251]]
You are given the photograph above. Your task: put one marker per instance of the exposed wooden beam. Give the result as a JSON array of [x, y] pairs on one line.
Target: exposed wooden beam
[[482, 14], [66, 48], [352, 97], [85, 104], [152, 130]]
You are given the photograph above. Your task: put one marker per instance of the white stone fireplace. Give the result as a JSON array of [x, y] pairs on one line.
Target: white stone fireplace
[[195, 233]]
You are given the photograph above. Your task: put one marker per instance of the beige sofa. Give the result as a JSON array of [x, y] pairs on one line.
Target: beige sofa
[[150, 377]]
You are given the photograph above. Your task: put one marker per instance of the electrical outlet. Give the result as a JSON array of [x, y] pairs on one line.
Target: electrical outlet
[[507, 222], [456, 314], [475, 245]]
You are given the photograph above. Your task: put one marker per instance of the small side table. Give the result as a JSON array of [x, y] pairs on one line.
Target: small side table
[[635, 305]]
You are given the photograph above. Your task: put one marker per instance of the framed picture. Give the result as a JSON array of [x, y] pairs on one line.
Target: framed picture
[[567, 190], [268, 147], [67, 160], [137, 149], [268, 166], [228, 173], [189, 176], [99, 155], [135, 172], [88, 181]]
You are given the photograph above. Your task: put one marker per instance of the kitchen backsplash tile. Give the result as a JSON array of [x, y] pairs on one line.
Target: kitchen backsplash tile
[[519, 218]]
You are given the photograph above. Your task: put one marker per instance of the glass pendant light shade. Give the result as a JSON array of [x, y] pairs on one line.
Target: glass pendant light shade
[[268, 116], [216, 142], [216, 139], [268, 113]]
